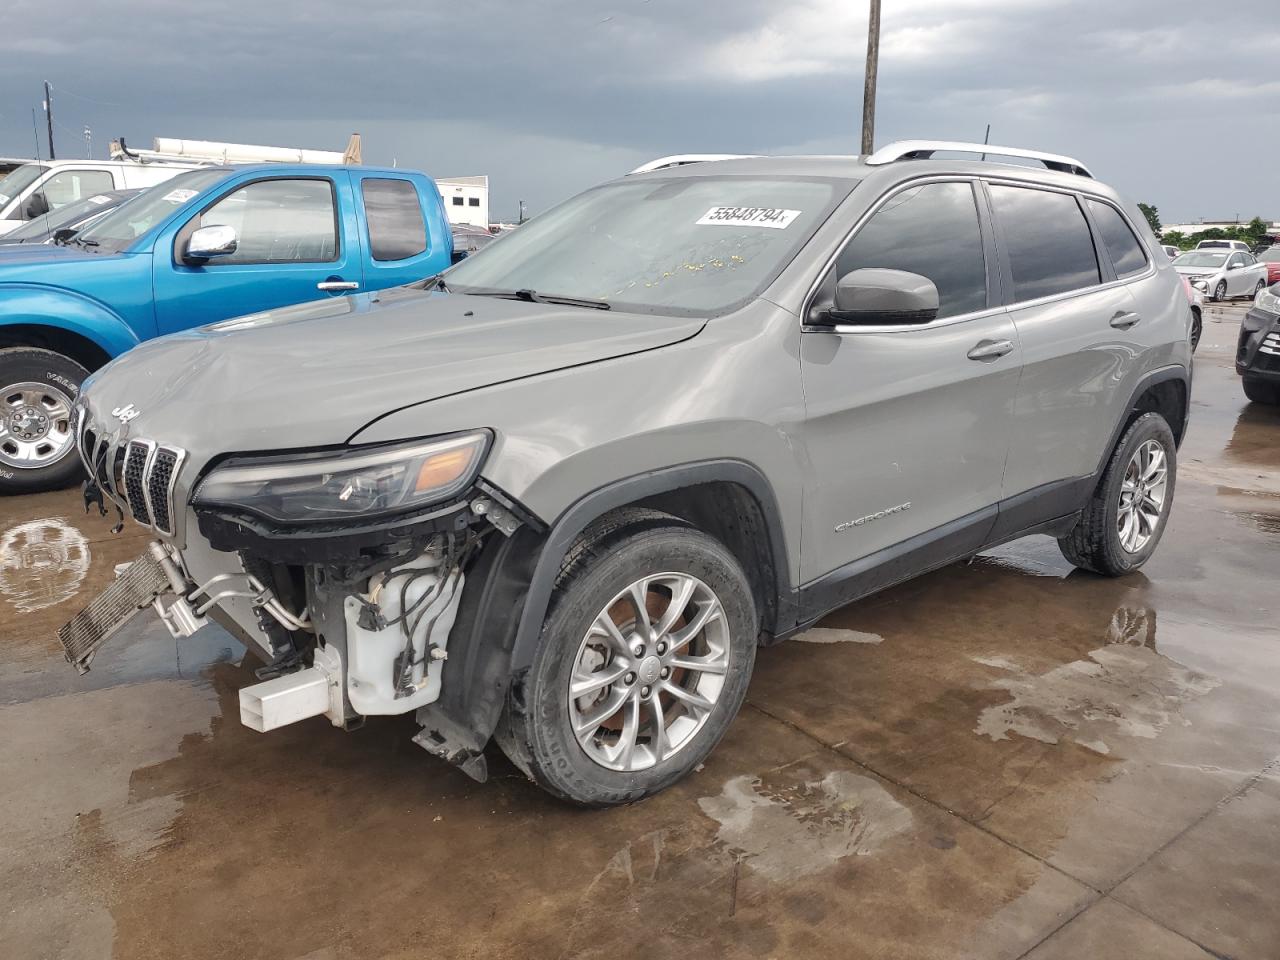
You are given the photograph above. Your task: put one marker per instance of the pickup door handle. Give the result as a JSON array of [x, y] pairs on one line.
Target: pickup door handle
[[1124, 319], [337, 285], [988, 350]]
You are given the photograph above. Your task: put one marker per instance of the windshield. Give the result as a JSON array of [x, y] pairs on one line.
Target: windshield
[[697, 245], [13, 185], [127, 222], [1201, 260], [66, 216], [1214, 245]]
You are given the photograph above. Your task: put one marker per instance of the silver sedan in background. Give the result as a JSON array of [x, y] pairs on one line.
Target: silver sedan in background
[[1221, 274]]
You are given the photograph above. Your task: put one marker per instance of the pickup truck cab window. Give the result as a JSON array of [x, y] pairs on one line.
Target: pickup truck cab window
[[396, 228], [276, 221], [120, 228]]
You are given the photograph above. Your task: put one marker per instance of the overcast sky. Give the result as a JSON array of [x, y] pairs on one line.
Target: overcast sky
[[1175, 102]]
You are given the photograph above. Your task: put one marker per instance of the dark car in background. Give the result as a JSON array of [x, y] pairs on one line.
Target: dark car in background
[[70, 218], [1258, 351], [1271, 257]]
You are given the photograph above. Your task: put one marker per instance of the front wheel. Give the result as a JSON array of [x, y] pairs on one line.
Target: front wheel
[[37, 445], [1126, 516], [1262, 285], [642, 665], [1220, 291]]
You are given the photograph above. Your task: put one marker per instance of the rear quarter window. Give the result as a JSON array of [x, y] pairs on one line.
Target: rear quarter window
[[396, 228]]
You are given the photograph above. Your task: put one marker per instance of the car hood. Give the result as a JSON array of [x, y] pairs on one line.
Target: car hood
[[1197, 271], [315, 374]]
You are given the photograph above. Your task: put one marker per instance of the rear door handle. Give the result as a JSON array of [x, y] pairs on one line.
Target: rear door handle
[[1123, 320], [337, 285], [988, 350]]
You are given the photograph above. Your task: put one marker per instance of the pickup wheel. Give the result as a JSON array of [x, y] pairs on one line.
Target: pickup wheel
[[1126, 516], [37, 442], [643, 662]]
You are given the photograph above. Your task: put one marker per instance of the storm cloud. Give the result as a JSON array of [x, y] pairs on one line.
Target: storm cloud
[[1170, 100]]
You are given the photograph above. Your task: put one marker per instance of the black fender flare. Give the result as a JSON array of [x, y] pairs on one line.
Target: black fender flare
[[509, 590], [1149, 380]]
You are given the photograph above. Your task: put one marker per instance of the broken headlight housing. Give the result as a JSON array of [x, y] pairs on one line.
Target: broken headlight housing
[[353, 484]]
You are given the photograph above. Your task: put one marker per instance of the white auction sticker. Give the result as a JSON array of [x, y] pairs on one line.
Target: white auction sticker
[[180, 195], [771, 217], [99, 199]]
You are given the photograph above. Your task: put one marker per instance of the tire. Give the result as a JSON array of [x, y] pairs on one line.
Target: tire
[[1220, 291], [1197, 328], [536, 730], [34, 384], [1262, 391], [1096, 542], [1262, 285]]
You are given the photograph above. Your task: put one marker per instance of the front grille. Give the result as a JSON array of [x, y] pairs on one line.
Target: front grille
[[139, 475]]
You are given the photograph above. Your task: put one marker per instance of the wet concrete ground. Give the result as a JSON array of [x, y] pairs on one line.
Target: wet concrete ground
[[1003, 759]]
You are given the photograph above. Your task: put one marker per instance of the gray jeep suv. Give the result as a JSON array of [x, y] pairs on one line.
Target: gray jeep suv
[[557, 496]]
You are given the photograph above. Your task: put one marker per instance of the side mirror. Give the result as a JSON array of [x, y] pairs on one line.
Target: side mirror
[[874, 295], [209, 242]]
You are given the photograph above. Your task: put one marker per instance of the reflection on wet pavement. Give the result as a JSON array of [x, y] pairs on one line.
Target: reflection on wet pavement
[[1006, 758]]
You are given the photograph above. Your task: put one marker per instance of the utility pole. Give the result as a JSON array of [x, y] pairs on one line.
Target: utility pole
[[48, 117], [869, 85], [88, 144]]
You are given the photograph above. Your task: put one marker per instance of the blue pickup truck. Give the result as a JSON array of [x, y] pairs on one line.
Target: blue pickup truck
[[210, 244]]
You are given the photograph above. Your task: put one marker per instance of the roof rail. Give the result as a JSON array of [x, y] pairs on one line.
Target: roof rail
[[680, 159], [924, 149]]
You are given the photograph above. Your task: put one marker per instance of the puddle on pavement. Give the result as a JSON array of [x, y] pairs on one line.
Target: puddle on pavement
[[1123, 689], [42, 563], [788, 831]]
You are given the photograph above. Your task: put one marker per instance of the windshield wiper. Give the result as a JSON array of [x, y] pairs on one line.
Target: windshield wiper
[[532, 296]]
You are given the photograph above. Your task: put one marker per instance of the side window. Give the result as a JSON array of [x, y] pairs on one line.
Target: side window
[[1237, 260], [1125, 250], [277, 221], [1048, 242], [396, 227], [931, 230], [68, 186]]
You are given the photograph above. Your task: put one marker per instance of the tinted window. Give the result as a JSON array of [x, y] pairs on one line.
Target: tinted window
[[1126, 252], [473, 201], [396, 227], [457, 201], [1049, 245], [931, 230], [278, 221], [1237, 260]]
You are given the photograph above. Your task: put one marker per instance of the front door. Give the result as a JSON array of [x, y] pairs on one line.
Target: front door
[[290, 249], [907, 427]]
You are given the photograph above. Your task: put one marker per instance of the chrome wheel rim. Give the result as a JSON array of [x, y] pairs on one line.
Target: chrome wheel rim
[[1220, 291], [1142, 496], [35, 425], [649, 672]]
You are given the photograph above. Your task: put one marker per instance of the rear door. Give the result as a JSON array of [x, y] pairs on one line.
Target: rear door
[[292, 233], [402, 228], [907, 427], [1080, 328]]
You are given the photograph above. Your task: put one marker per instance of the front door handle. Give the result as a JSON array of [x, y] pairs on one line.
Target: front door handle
[[337, 285], [1124, 319], [988, 350]]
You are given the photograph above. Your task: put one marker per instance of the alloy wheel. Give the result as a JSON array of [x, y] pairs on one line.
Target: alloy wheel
[[1142, 496], [35, 425], [649, 671]]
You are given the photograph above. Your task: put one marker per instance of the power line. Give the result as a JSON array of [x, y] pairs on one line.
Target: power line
[[63, 91]]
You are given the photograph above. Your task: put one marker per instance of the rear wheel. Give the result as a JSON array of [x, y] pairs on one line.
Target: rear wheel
[[37, 445], [643, 663], [1126, 516], [1262, 391]]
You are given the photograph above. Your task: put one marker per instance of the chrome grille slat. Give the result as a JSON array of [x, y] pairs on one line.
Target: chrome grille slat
[[138, 475]]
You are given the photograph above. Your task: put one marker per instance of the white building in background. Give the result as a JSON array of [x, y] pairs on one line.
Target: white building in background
[[466, 200]]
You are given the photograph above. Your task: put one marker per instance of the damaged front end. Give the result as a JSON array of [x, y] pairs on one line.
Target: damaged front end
[[345, 569]]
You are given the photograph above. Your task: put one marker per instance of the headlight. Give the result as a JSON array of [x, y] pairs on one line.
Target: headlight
[[1202, 285], [353, 484], [1268, 299]]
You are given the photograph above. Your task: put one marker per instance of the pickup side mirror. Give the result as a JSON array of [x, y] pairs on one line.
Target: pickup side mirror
[[209, 242], [874, 296]]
